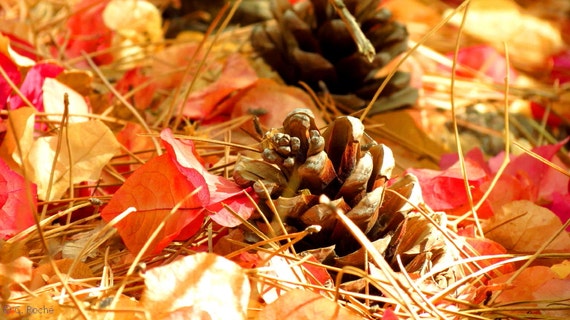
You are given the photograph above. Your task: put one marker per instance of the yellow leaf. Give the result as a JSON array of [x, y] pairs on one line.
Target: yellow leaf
[[92, 145], [201, 286], [20, 132], [562, 270], [523, 226]]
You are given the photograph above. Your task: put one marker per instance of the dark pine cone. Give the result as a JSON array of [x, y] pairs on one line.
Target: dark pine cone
[[300, 164], [311, 43]]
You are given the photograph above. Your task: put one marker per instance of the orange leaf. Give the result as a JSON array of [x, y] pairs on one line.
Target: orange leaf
[[200, 286], [300, 304], [524, 285], [154, 189]]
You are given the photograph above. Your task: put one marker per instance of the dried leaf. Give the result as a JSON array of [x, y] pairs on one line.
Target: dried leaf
[[53, 102], [153, 190], [523, 226], [236, 74], [530, 39], [32, 86], [200, 286], [18, 270], [300, 304], [270, 101], [45, 274], [20, 138], [221, 190], [16, 208], [92, 145], [483, 59], [87, 32]]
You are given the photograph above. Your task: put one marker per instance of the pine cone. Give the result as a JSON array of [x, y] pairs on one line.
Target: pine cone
[[311, 43], [300, 164]]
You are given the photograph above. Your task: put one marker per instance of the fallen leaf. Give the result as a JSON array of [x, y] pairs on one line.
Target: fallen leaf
[[154, 190], [91, 146], [523, 227], [540, 287], [19, 136], [200, 286], [562, 269], [221, 190], [133, 79], [482, 60], [137, 29], [53, 102], [16, 208], [523, 286], [445, 190], [13, 74], [530, 40], [32, 85], [300, 304], [552, 292], [560, 67], [87, 33], [18, 270], [236, 74], [270, 101], [486, 247], [45, 274], [389, 315], [20, 57]]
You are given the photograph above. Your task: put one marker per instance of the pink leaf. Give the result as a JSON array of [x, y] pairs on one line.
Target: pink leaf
[[484, 59], [32, 86], [221, 190]]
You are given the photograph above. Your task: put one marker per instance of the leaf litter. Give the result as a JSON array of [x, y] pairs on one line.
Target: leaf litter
[[98, 223]]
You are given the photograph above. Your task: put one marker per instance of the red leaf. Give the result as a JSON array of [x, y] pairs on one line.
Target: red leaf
[[32, 86], [560, 63], [154, 189], [221, 190], [133, 79], [561, 207], [13, 74], [237, 74], [16, 211], [389, 315], [445, 190], [87, 32]]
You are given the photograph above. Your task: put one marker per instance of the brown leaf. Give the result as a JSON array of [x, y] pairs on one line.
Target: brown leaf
[[201, 286], [523, 226], [45, 274], [300, 304]]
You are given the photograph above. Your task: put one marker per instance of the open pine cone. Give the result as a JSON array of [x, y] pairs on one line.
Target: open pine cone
[[311, 43], [300, 163]]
